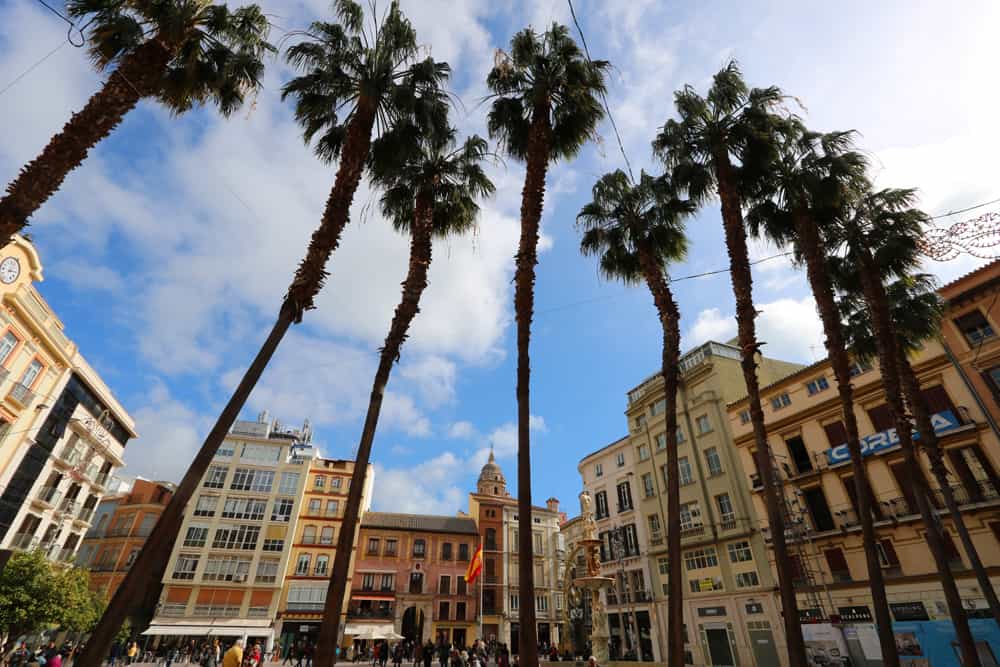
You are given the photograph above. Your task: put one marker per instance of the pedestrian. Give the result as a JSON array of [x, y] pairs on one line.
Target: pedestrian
[[592, 662], [309, 654], [234, 656], [21, 656], [133, 650]]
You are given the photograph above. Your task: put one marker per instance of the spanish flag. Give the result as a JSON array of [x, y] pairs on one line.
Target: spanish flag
[[475, 566]]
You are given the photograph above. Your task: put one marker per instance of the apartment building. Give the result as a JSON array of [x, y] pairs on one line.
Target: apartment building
[[409, 578], [730, 611], [314, 546], [121, 525], [227, 569], [807, 436], [62, 431]]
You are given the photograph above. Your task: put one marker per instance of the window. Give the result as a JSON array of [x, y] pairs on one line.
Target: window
[[800, 455], [319, 482], [663, 564], [215, 478], [541, 603], [701, 423], [444, 585], [713, 461], [781, 401], [206, 505], [459, 611], [390, 548], [817, 385], [690, 515], [859, 367], [33, 370], [236, 537], [515, 602], [282, 510], [309, 535], [706, 584], [680, 435], [416, 582], [225, 451], [7, 345], [631, 541], [250, 479], [661, 441], [419, 548], [640, 423], [261, 454], [446, 551], [643, 452], [819, 510], [654, 526], [739, 552], [444, 610], [648, 489], [461, 588], [974, 326], [727, 517], [837, 563], [267, 571], [658, 407], [289, 483], [887, 553], [196, 536], [326, 535], [336, 482], [598, 470], [601, 505], [463, 552], [322, 562], [332, 507], [244, 508], [747, 579], [624, 497], [226, 568], [302, 565], [699, 559], [684, 475], [315, 507], [491, 539], [185, 566], [373, 543], [620, 459], [744, 416], [368, 582], [388, 582]]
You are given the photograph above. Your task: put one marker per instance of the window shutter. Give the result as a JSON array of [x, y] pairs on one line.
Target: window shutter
[[881, 419], [890, 553], [836, 434], [261, 598], [178, 595], [937, 400]]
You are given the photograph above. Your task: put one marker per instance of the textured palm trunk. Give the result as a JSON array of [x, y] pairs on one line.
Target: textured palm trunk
[[532, 200], [742, 279], [136, 77], [878, 306], [670, 317], [144, 579], [409, 306], [929, 443], [812, 247]]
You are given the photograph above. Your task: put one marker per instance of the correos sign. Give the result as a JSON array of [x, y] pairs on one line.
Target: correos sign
[[878, 442]]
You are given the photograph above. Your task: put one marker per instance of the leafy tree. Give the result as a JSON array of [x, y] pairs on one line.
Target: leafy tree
[[546, 107], [81, 608], [30, 595], [182, 53], [724, 144]]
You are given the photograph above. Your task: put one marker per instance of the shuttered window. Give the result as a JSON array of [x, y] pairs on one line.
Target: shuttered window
[[881, 420], [836, 434]]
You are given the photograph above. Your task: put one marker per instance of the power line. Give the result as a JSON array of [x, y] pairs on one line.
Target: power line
[[965, 210], [56, 12], [32, 68]]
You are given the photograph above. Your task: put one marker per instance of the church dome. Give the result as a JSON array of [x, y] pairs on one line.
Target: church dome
[[491, 479]]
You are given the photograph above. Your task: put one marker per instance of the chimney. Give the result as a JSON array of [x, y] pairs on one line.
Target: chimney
[[552, 504]]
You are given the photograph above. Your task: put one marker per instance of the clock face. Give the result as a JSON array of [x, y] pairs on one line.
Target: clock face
[[10, 269]]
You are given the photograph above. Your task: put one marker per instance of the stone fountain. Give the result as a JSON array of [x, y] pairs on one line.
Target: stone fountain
[[594, 582]]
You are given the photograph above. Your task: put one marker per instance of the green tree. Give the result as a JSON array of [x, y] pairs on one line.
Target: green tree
[[181, 53], [812, 177], [357, 80], [431, 188], [879, 232], [30, 597], [546, 107], [723, 144], [80, 608], [637, 230]]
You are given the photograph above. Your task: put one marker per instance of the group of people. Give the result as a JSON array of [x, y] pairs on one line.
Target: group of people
[[43, 656]]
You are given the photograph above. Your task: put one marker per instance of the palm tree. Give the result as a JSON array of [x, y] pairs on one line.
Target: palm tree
[[638, 230], [916, 310], [546, 107], [181, 52], [811, 178], [353, 83], [431, 192], [880, 231], [722, 145]]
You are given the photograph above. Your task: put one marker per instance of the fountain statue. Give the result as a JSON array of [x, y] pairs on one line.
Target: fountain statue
[[594, 582]]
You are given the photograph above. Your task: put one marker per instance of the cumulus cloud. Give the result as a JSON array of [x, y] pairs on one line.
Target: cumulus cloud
[[170, 434], [462, 430], [435, 486]]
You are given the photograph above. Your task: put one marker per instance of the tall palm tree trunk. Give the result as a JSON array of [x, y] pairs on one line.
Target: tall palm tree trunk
[[878, 305], [409, 306], [812, 248], [742, 279], [136, 77], [670, 317], [929, 443], [146, 574], [532, 200]]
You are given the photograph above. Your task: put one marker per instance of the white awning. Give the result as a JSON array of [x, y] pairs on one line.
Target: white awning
[[368, 630], [176, 630], [223, 627]]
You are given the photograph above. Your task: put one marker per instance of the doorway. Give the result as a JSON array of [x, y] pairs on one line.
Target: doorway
[[765, 653], [413, 624], [720, 652]]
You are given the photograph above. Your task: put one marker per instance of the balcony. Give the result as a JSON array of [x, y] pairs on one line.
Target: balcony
[[295, 605], [23, 542], [47, 497], [692, 531], [21, 395], [373, 613], [173, 609], [68, 458], [983, 491], [100, 480]]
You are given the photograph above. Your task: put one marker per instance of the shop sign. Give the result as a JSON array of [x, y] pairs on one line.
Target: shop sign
[[860, 614], [711, 611], [879, 442], [909, 611]]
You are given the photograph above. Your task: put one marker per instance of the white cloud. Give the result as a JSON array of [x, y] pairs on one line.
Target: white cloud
[[170, 434], [431, 487], [399, 411], [434, 378], [462, 430], [710, 324]]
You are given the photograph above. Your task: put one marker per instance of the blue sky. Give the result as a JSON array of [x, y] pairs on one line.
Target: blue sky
[[167, 253]]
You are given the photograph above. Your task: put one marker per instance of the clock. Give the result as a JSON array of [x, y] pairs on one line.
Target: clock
[[10, 269]]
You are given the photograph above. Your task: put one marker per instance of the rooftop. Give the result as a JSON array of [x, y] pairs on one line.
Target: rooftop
[[605, 447], [689, 360], [430, 523]]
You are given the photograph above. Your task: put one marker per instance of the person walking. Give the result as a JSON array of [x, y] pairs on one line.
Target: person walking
[[234, 656]]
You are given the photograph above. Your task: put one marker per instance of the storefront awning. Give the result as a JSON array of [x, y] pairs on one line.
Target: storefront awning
[[223, 627], [176, 630], [375, 630]]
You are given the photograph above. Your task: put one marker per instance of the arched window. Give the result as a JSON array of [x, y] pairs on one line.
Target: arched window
[[321, 565], [491, 538], [309, 535], [419, 548], [326, 537]]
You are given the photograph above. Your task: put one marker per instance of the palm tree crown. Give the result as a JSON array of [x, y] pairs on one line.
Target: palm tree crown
[[622, 218], [217, 53], [351, 67], [546, 73]]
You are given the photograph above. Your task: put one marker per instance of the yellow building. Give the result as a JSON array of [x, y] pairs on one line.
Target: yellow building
[[62, 432], [807, 436], [730, 612], [307, 572]]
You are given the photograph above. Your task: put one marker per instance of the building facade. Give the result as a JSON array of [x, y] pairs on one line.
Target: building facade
[[409, 578], [121, 525], [320, 520], [62, 431], [227, 569], [731, 615], [807, 436]]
